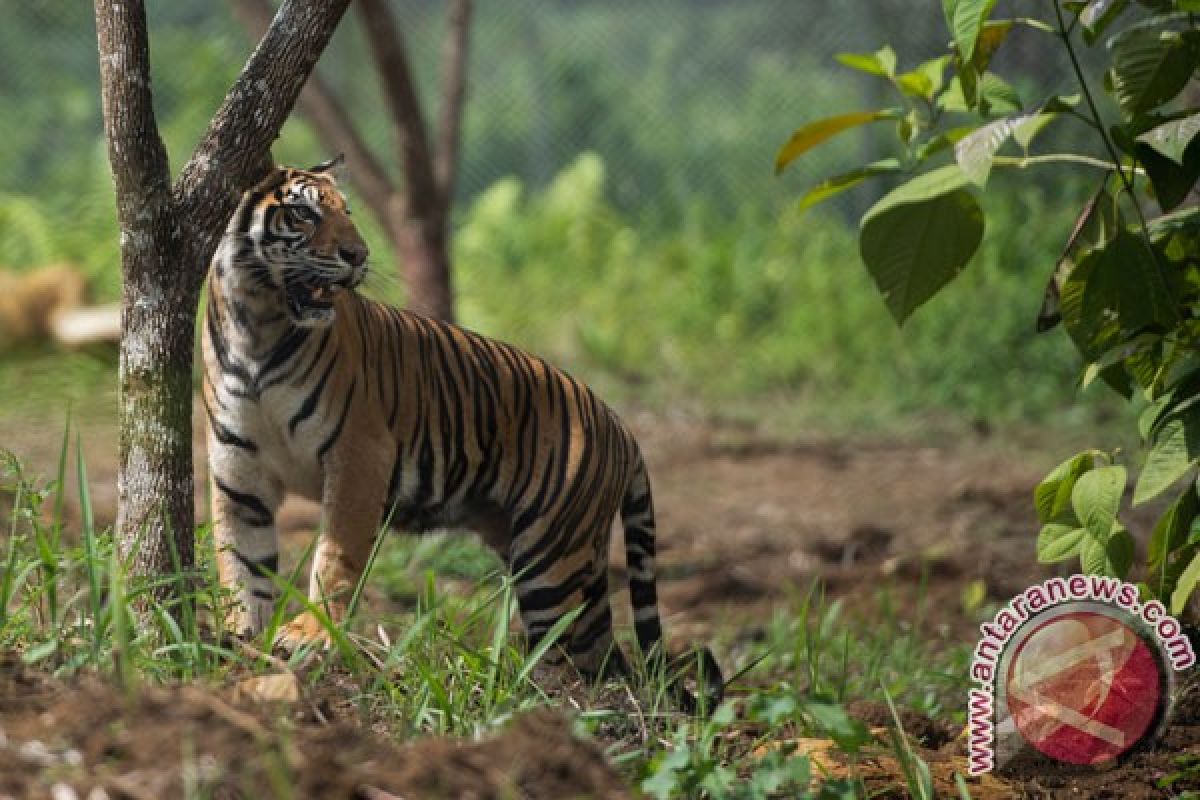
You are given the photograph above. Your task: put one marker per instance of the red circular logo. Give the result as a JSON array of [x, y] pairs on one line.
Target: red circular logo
[[1083, 687]]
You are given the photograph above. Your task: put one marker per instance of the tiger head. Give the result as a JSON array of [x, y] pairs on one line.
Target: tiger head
[[295, 233]]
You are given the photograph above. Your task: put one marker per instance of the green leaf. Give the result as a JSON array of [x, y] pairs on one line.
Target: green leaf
[[1123, 284], [1150, 66], [1175, 451], [1172, 182], [1057, 542], [1098, 15], [969, 16], [1029, 126], [1095, 499], [996, 96], [917, 238], [1172, 138], [943, 140], [1120, 550], [974, 153], [926, 80], [849, 733], [847, 180], [812, 134], [990, 38], [882, 62], [1111, 557], [1172, 529], [948, 13], [39, 652], [1150, 417], [1052, 497], [954, 99], [1185, 585]]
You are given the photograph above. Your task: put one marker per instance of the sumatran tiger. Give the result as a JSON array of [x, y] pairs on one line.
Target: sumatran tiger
[[384, 415]]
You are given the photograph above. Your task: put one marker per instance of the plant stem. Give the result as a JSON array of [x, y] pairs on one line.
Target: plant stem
[[1064, 33], [1055, 158]]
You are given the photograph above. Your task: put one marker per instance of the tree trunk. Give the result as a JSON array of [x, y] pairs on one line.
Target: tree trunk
[[154, 480], [421, 244], [168, 236]]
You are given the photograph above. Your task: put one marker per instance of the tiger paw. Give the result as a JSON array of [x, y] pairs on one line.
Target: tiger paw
[[303, 632]]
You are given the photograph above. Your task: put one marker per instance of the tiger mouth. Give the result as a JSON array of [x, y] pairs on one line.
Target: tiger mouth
[[308, 299]]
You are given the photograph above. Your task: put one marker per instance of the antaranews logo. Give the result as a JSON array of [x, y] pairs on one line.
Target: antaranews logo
[[1076, 668]]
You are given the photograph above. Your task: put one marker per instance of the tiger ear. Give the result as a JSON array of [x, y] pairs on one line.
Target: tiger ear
[[333, 167]]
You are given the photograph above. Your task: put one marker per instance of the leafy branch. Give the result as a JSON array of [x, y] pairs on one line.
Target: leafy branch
[[1127, 295]]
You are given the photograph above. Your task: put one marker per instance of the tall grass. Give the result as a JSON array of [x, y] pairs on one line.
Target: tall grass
[[451, 664]]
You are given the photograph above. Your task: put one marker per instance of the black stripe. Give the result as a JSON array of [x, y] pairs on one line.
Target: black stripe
[[551, 596], [642, 593], [636, 505], [220, 347], [262, 516], [284, 350], [337, 430], [397, 474], [649, 632], [263, 567], [325, 337], [641, 538], [224, 435], [310, 402], [585, 640]]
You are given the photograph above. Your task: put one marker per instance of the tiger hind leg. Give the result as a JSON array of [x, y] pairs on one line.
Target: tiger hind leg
[[547, 591]]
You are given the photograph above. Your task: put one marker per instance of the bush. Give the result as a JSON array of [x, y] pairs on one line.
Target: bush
[[730, 308]]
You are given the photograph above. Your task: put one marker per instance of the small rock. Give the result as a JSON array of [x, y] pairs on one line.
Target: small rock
[[36, 753], [282, 687]]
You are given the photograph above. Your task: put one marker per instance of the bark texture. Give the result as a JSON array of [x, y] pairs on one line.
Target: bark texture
[[168, 236], [416, 211]]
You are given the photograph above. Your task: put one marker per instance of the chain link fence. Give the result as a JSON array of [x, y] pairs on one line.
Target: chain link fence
[[682, 99], [616, 207]]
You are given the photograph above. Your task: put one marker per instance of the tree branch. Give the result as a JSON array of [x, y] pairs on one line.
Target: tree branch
[[324, 111], [454, 91], [231, 153], [387, 47], [135, 149]]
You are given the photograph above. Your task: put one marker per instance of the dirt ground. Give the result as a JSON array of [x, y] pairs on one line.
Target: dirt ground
[[744, 519]]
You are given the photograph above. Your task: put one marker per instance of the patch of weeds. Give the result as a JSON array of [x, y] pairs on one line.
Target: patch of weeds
[[819, 648], [1186, 770], [67, 606], [453, 665]]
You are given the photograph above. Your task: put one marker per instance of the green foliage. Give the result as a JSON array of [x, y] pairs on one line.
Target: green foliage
[[1127, 289], [905, 246], [724, 310]]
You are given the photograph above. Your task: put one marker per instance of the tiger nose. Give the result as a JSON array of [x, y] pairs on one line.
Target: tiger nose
[[353, 254]]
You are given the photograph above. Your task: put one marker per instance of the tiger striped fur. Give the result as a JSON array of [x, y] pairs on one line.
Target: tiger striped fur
[[376, 413]]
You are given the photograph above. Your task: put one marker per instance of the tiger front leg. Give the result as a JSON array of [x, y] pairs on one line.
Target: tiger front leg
[[353, 516], [244, 502]]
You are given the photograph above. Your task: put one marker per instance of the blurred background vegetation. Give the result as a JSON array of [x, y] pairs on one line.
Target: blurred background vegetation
[[616, 208]]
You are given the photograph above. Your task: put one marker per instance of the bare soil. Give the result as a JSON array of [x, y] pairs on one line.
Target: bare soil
[[744, 520]]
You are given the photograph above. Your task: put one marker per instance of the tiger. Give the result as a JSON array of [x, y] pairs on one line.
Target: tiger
[[386, 416]]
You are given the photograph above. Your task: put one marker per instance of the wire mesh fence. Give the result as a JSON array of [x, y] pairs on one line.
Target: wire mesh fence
[[616, 207], [682, 99]]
